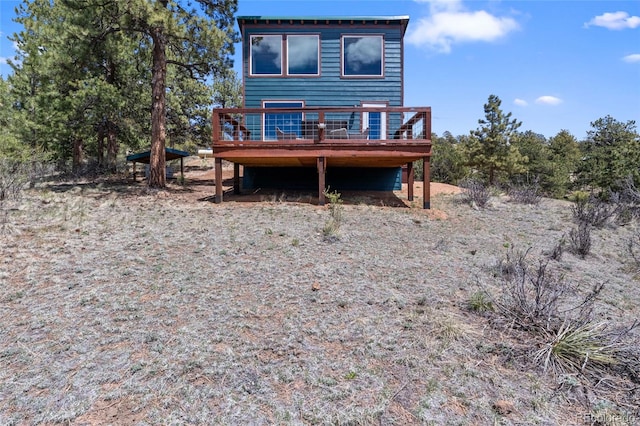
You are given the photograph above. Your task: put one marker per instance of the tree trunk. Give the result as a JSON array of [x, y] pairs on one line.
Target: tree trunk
[[100, 146], [77, 155], [111, 128], [112, 147], [157, 176]]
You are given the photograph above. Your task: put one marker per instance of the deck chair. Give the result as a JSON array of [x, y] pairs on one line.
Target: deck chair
[[341, 133], [360, 135], [285, 135]]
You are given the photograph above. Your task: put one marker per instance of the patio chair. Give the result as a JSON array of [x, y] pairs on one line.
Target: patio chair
[[341, 133], [285, 135], [360, 135]]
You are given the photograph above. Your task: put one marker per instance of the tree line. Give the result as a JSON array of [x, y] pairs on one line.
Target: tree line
[[496, 153], [93, 76]]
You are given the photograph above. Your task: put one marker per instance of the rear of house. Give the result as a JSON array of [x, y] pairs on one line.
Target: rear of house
[[333, 82]]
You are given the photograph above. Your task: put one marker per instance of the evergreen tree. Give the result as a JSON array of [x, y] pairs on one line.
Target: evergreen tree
[[227, 91], [489, 149], [564, 157], [447, 164], [87, 65], [611, 153], [534, 147]]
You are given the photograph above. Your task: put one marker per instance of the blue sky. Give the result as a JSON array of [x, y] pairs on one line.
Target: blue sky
[[554, 64]]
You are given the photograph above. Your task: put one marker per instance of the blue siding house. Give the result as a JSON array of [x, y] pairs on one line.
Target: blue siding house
[[323, 105]]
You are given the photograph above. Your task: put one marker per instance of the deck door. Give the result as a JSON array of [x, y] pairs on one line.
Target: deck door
[[375, 121], [288, 122]]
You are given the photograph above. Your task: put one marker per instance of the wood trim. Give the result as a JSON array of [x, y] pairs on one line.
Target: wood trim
[[410, 180], [322, 170], [218, 176], [426, 185]]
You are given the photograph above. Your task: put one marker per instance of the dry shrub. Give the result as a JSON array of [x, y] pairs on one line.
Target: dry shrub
[[475, 192], [14, 175], [557, 250], [580, 239], [559, 317], [592, 210], [525, 194], [633, 247]]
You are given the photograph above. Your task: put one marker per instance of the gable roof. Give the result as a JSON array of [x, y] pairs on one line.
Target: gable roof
[[402, 20]]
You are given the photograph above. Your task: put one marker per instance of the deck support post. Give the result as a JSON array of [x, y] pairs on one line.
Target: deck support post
[[218, 176], [236, 178], [426, 186], [322, 169], [410, 180]]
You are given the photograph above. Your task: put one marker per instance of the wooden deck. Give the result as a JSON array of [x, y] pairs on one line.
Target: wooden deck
[[247, 136]]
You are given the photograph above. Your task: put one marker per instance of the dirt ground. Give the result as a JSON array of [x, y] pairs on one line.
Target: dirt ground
[[200, 174], [121, 305]]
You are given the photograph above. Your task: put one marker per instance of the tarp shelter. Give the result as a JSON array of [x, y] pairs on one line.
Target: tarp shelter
[[170, 154]]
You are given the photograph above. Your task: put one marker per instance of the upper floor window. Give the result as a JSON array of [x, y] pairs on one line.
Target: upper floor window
[[266, 55], [303, 54], [362, 56]]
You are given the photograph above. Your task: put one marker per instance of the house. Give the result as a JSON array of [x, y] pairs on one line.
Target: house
[[323, 106]]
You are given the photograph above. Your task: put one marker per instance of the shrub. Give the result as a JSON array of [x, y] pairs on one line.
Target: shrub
[[633, 247], [331, 230], [475, 192], [573, 347], [531, 298], [480, 301], [557, 250], [593, 210], [580, 239], [560, 320], [525, 194], [629, 202]]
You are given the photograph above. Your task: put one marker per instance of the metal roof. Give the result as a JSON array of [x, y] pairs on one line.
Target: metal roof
[[145, 157], [340, 20]]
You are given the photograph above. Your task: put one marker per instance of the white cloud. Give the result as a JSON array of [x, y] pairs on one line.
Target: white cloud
[[548, 100], [520, 102], [450, 23], [303, 51], [635, 57], [615, 21], [365, 51]]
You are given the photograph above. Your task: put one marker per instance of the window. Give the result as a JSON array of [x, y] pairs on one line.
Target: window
[[266, 55], [303, 54], [288, 122], [362, 56]]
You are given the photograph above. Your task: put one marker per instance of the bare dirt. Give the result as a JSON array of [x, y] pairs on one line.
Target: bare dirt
[[124, 305]]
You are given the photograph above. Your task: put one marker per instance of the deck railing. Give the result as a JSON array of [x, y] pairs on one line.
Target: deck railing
[[321, 124]]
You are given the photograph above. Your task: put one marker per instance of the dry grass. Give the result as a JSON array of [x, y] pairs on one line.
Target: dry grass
[[121, 305]]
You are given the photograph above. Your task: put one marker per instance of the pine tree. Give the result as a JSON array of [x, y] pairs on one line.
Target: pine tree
[[489, 149], [87, 66], [564, 157], [611, 153]]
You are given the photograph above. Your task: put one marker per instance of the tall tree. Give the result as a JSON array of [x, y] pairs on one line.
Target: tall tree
[[564, 157], [489, 150], [195, 36], [534, 147], [227, 91], [90, 57], [447, 164], [611, 153]]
